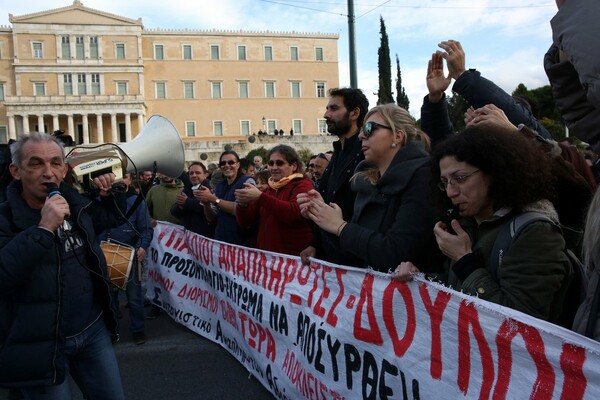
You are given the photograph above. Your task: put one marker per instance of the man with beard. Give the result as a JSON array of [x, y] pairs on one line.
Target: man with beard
[[344, 116]]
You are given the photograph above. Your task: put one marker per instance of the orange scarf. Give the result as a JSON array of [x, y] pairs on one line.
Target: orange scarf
[[283, 181]]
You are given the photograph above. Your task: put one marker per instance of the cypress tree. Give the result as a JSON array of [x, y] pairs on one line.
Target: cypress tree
[[384, 95], [401, 97]]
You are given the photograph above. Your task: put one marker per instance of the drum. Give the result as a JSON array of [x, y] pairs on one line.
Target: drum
[[119, 259]]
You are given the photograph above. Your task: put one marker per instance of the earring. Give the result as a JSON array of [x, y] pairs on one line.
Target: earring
[[394, 145]]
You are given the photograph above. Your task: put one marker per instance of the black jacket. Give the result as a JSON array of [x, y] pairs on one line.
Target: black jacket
[[31, 342], [335, 188]]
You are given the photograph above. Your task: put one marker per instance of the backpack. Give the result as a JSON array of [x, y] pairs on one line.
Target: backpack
[[574, 288]]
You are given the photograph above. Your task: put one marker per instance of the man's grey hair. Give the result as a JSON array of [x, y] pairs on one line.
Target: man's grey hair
[[16, 148]]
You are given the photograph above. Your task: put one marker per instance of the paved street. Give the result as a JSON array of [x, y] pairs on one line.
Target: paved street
[[177, 364]]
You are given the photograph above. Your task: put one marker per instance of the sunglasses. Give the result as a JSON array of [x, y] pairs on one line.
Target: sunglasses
[[279, 163], [371, 127], [227, 162]]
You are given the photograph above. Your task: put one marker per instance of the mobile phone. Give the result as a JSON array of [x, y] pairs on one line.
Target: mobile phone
[[449, 215]]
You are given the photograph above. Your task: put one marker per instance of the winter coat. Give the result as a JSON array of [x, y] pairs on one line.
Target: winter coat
[[160, 198], [393, 220], [281, 227], [335, 188], [31, 341], [575, 80], [192, 214], [533, 268], [227, 229]]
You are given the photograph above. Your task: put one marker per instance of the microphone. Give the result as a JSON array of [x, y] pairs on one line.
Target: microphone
[[53, 189]]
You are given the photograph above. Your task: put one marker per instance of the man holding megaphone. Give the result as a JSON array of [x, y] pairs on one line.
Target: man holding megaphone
[[56, 316]]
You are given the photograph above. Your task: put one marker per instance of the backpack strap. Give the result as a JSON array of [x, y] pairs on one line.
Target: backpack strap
[[509, 231]]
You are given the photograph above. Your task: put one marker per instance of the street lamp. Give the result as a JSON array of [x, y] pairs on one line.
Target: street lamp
[[264, 122]]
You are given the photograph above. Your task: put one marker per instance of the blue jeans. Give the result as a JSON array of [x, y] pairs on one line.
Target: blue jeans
[[133, 291], [93, 366]]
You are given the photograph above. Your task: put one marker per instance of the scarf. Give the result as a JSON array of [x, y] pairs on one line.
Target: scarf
[[283, 181]]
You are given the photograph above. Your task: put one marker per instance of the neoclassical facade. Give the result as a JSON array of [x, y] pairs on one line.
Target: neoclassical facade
[[100, 76]]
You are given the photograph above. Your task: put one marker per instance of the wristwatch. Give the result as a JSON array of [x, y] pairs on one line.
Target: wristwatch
[[217, 202]]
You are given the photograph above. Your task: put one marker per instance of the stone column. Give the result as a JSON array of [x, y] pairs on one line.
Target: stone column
[[71, 128], [12, 127], [55, 124], [141, 118], [86, 129], [25, 123], [99, 128], [113, 128], [128, 127], [40, 121]]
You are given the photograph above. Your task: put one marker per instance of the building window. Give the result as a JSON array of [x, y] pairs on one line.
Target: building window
[[68, 84], [38, 50], [95, 83], [94, 48], [187, 51], [268, 53], [320, 89], [218, 128], [122, 88], [161, 90], [188, 90], [322, 126], [241, 52], [319, 53], [120, 51], [159, 52], [269, 89], [190, 128], [214, 51], [39, 88], [1, 91], [295, 89], [79, 51], [243, 89], [294, 53], [297, 125], [81, 87], [215, 89], [3, 134], [271, 125], [66, 47], [245, 128]]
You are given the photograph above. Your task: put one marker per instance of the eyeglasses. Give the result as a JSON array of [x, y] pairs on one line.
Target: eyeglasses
[[227, 162], [455, 181], [279, 163], [371, 127]]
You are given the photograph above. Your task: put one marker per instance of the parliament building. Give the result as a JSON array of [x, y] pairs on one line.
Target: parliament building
[[100, 76]]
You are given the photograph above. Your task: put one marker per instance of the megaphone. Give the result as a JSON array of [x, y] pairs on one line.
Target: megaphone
[[158, 146]]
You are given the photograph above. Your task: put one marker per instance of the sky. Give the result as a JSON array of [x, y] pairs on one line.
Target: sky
[[503, 39]]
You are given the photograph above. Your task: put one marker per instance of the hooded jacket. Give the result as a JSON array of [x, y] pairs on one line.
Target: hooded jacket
[[533, 268], [393, 220], [31, 341]]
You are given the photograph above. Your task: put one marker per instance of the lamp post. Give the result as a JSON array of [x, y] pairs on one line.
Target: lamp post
[[264, 123]]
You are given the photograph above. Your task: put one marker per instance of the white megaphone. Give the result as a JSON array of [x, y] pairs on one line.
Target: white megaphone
[[158, 146]]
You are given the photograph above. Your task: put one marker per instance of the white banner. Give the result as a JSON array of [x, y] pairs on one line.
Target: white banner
[[330, 332]]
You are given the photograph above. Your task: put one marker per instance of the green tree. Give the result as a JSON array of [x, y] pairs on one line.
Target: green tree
[[384, 94], [401, 97], [260, 151], [457, 106]]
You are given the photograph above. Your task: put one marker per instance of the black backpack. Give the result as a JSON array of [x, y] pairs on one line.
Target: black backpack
[[575, 285]]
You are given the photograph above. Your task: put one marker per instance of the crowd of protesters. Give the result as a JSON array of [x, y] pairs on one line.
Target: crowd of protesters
[[391, 196]]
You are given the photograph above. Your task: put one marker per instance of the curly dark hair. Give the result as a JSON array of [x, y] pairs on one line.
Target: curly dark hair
[[519, 173]]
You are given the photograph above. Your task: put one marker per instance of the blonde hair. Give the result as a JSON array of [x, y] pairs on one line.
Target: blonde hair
[[398, 119]]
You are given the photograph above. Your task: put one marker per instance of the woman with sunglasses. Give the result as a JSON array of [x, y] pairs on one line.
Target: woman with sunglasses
[[281, 227], [490, 176], [392, 220], [220, 206]]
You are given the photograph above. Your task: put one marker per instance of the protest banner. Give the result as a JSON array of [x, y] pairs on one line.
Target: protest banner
[[330, 332]]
